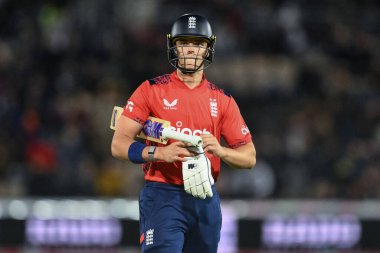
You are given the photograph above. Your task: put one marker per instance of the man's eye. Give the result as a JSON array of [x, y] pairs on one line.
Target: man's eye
[[190, 42]]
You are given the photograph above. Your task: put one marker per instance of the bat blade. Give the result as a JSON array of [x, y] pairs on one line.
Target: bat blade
[[157, 130]]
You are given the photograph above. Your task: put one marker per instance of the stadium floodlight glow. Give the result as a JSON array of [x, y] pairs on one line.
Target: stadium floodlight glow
[[124, 209], [43, 209], [98, 209], [18, 209]]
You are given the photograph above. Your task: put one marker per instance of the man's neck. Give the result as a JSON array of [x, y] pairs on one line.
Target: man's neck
[[191, 80]]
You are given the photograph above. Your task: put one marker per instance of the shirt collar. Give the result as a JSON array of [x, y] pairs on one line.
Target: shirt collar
[[180, 83]]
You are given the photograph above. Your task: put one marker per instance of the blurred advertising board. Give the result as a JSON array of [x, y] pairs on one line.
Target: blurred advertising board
[[270, 225]]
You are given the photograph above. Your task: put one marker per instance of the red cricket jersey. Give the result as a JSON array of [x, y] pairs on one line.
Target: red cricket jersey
[[205, 108]]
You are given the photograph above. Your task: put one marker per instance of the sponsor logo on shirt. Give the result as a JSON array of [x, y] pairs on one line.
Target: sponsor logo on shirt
[[170, 105], [188, 131]]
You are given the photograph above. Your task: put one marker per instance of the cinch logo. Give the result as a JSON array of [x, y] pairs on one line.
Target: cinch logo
[[170, 106], [188, 131]]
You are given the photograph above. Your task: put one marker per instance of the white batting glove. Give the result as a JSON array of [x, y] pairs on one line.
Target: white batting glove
[[197, 176]]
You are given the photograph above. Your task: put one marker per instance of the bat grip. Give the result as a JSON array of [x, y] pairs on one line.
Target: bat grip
[[168, 133]]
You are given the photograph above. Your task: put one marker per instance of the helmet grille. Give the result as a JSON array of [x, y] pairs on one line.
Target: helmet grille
[[192, 63], [191, 26]]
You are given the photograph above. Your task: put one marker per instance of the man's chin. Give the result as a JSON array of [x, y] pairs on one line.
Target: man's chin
[[189, 66]]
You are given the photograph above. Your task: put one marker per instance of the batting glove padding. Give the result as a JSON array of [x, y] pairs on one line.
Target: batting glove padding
[[197, 176]]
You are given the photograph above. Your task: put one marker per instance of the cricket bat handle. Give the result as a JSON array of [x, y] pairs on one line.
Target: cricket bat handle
[[168, 133]]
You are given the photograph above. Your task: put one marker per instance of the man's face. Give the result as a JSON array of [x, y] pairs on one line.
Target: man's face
[[190, 52]]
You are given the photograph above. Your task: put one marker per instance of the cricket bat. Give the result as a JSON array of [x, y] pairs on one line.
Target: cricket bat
[[157, 130]]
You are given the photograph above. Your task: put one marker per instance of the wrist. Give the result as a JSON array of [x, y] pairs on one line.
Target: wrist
[[135, 152], [151, 153], [223, 153], [157, 152]]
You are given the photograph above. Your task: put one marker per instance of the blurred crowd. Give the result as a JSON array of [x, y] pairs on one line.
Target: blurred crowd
[[306, 75]]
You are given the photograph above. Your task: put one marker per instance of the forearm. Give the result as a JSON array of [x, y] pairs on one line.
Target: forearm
[[174, 152], [119, 148], [241, 158], [124, 135]]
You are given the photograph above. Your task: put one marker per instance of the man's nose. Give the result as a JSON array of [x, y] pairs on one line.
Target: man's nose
[[190, 48]]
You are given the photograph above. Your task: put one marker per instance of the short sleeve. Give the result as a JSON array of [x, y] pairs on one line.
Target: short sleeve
[[234, 129], [137, 106]]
